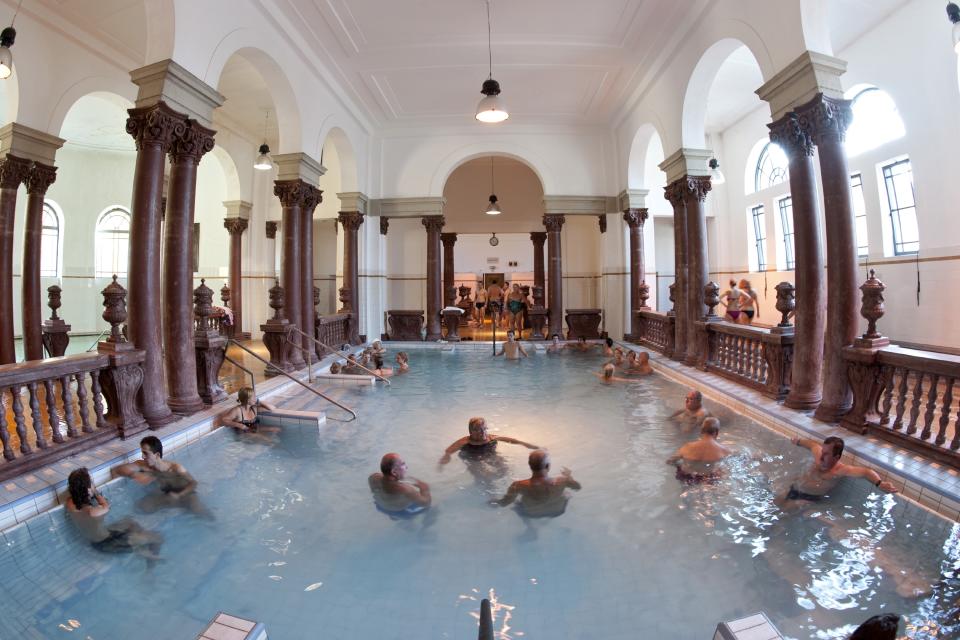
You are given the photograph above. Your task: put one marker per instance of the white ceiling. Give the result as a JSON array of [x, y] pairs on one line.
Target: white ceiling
[[98, 121], [247, 102], [120, 23]]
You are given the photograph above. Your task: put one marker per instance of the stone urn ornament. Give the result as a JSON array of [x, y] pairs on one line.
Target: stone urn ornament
[[711, 298], [115, 309], [673, 303], [871, 308], [277, 300], [786, 303], [644, 295]]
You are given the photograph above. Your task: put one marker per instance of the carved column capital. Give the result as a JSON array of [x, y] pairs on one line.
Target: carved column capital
[[553, 222], [14, 171], [674, 192], [787, 134], [312, 196], [697, 188], [155, 126], [290, 192], [448, 240], [635, 217], [351, 220], [271, 229], [236, 226], [384, 225], [434, 224], [825, 118], [191, 142], [40, 178], [538, 237]]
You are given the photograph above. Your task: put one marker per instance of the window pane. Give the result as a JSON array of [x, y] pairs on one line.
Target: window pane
[[898, 185], [112, 242], [786, 223], [48, 253], [860, 213], [771, 167], [759, 236], [876, 121]]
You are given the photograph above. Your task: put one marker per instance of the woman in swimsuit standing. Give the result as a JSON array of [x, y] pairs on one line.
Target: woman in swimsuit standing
[[731, 300], [515, 309], [748, 302]]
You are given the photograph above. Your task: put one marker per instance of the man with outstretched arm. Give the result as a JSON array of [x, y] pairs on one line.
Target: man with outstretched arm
[[827, 470]]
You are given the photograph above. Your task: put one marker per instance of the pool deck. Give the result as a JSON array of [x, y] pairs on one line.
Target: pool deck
[[930, 484]]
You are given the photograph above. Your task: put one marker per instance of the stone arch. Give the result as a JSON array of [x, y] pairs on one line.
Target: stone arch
[[115, 88], [244, 43], [693, 132], [480, 150], [345, 153], [230, 173], [637, 162]]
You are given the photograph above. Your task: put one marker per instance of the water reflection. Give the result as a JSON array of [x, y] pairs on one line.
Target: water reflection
[[500, 611]]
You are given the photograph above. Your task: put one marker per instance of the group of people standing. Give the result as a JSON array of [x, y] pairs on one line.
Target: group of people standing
[[740, 302], [505, 304]]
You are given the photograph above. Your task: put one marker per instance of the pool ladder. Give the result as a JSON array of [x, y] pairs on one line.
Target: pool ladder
[[330, 349], [486, 621], [283, 373]]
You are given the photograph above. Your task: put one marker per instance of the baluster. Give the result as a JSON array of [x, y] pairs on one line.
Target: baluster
[[931, 406], [901, 399], [945, 412], [82, 403], [755, 357], [68, 415], [888, 375], [915, 405], [741, 355], [97, 398], [954, 444], [746, 350], [35, 414], [4, 433], [762, 372], [52, 417], [723, 352], [732, 354], [18, 417]]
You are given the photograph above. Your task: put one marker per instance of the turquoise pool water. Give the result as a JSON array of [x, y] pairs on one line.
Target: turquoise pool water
[[298, 545]]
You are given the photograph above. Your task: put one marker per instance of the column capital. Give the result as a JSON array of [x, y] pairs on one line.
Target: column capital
[[271, 229], [825, 118], [538, 237], [191, 143], [636, 217], [553, 222], [688, 188], [810, 74], [40, 178], [290, 192], [14, 171], [384, 225], [166, 81], [238, 208], [350, 220], [29, 144], [787, 134], [674, 192], [155, 126], [235, 226], [434, 224], [312, 196], [448, 239]]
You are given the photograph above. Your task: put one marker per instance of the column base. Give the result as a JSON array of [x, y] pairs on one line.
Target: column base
[[185, 406], [159, 418], [831, 415], [802, 402], [693, 360], [433, 337]]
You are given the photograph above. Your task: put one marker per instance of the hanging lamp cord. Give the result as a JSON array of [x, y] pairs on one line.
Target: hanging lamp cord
[[493, 188], [489, 44], [21, 2]]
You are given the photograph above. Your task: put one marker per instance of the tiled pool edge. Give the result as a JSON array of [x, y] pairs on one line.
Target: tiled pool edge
[[921, 482]]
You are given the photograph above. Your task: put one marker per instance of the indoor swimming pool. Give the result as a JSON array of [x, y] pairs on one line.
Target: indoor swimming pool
[[297, 544]]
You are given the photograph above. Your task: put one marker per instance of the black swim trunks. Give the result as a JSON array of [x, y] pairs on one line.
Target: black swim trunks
[[117, 542], [795, 494], [696, 478]]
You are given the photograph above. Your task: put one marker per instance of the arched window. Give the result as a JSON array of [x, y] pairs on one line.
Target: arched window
[[113, 238], [771, 168], [876, 120], [50, 245]]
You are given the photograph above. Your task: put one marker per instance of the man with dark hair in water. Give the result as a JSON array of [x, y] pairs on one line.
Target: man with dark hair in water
[[512, 348], [882, 627], [827, 470], [396, 493], [177, 487], [88, 508], [540, 495]]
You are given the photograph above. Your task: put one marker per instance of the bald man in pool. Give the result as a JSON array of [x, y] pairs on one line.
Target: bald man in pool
[[693, 412], [394, 492], [540, 495]]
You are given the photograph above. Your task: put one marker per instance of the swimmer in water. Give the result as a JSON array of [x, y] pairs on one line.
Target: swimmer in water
[[394, 492], [177, 487], [377, 348], [581, 345], [696, 461], [88, 508], [618, 360], [512, 348], [693, 412], [540, 495], [607, 376], [335, 368], [379, 369], [638, 364], [245, 417], [480, 441], [826, 471], [608, 347], [555, 345], [403, 362]]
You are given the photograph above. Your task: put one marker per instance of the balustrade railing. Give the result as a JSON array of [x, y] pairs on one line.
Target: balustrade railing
[[333, 329], [656, 331], [755, 357]]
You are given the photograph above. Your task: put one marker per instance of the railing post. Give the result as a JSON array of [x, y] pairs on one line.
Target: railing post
[[225, 298], [316, 322], [210, 347], [711, 298], [863, 371], [275, 333], [56, 332], [778, 346], [122, 379]]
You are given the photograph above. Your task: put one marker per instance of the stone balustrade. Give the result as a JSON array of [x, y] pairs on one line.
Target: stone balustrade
[[755, 357], [655, 330], [334, 329]]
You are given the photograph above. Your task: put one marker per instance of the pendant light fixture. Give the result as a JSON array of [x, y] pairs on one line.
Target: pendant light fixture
[[953, 13], [493, 209], [7, 36], [264, 162], [716, 176], [491, 108]]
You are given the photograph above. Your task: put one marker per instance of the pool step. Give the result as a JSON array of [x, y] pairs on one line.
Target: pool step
[[755, 627], [227, 627]]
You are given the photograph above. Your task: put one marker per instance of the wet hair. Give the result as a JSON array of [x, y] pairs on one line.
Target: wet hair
[[539, 460], [335, 368], [477, 422], [403, 356], [881, 627], [581, 339], [608, 370], [556, 335], [733, 283], [711, 426], [609, 342], [836, 443], [644, 356], [697, 395], [511, 333], [378, 362], [78, 485], [243, 396], [388, 462], [153, 443]]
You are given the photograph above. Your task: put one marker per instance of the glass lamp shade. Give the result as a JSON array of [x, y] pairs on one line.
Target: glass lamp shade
[[493, 209], [716, 176], [956, 38], [263, 163], [6, 63], [491, 109]]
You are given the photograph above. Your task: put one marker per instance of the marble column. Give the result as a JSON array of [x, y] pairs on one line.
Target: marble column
[[291, 194], [235, 227], [13, 172], [39, 179], [189, 145], [153, 129], [554, 223], [826, 120], [695, 193], [539, 238], [807, 376], [675, 193], [635, 218], [312, 196], [351, 221], [449, 276], [434, 225]]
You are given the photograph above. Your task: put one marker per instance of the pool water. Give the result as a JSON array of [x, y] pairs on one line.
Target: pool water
[[298, 545]]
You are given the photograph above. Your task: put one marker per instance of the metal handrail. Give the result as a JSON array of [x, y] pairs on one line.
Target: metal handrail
[[281, 372], [253, 380], [339, 353], [97, 341], [293, 344], [486, 621]]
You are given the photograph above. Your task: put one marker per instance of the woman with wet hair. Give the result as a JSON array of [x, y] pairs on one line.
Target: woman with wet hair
[[246, 415], [403, 362]]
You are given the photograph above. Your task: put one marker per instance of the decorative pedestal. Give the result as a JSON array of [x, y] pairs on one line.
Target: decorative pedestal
[[583, 323], [275, 334], [55, 332], [405, 324], [121, 382], [538, 320], [451, 319]]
